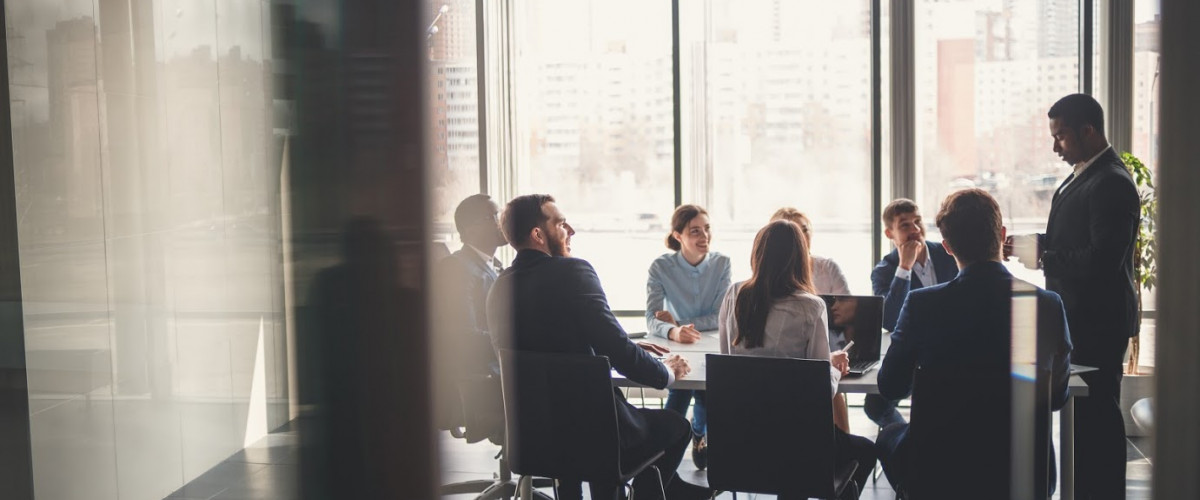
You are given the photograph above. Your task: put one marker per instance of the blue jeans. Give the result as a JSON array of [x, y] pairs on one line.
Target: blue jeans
[[678, 400]]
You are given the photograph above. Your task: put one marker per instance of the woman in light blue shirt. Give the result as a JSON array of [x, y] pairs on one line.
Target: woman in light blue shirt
[[683, 298]]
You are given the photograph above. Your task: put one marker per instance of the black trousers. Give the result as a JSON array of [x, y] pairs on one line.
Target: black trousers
[[855, 448], [1100, 437], [670, 433]]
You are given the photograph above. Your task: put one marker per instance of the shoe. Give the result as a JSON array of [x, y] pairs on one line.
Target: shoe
[[700, 451]]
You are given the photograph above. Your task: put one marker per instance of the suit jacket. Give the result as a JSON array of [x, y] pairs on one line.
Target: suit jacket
[[1088, 258], [555, 304], [464, 280], [884, 281], [959, 332]]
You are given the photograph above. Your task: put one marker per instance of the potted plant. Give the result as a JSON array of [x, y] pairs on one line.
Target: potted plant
[[1138, 383]]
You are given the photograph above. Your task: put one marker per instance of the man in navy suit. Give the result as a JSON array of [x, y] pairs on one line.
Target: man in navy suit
[[961, 334], [548, 301], [1087, 257], [915, 263], [462, 281], [465, 277]]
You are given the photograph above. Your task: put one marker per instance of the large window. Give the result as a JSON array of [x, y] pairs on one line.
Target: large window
[[453, 114], [595, 129], [777, 112], [986, 73], [1145, 126]]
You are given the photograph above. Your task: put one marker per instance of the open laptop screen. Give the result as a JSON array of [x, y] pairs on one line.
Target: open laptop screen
[[858, 318]]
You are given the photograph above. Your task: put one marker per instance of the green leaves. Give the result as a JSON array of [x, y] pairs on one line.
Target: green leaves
[[1145, 256]]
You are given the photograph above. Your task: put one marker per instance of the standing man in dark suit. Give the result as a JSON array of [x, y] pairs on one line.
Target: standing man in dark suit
[[959, 334], [548, 301], [1087, 257], [915, 263]]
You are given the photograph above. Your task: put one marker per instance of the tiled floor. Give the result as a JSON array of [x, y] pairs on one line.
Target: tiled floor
[[268, 469]]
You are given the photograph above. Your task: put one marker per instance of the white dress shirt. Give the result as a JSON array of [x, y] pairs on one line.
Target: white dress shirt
[[923, 270], [828, 278], [797, 327], [1080, 167]]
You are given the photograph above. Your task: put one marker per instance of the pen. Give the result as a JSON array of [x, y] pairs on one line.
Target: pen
[[848, 346]]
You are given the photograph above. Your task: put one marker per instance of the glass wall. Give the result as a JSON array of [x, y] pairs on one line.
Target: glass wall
[[147, 194]]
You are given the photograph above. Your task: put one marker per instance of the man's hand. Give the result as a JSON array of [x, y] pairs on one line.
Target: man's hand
[[654, 349], [840, 361], [909, 251], [677, 365], [1008, 246], [665, 317], [686, 334]]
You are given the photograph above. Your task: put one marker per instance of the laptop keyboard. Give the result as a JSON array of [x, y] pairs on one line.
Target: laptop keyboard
[[863, 365]]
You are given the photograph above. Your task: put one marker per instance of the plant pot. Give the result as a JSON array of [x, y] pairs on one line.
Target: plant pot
[[1133, 389]]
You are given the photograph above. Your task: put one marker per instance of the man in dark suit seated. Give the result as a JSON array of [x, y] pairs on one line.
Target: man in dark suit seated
[[547, 301], [466, 359], [962, 333], [915, 263]]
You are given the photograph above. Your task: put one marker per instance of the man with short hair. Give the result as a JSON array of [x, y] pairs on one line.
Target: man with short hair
[[1087, 257], [467, 365], [915, 263], [548, 301], [960, 334], [465, 277]]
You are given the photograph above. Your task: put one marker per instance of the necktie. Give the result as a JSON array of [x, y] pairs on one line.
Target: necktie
[[1064, 184]]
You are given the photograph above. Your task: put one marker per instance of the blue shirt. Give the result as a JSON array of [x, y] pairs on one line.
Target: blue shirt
[[692, 294]]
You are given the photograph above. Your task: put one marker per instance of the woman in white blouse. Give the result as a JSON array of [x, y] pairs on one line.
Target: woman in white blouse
[[776, 314], [828, 280]]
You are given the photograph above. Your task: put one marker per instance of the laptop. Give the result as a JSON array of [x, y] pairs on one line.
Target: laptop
[[858, 318]]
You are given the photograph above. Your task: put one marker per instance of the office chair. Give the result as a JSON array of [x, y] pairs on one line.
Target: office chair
[[972, 404], [482, 418], [561, 420], [770, 428]]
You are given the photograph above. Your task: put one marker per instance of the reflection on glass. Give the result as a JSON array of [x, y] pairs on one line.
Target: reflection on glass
[[149, 239]]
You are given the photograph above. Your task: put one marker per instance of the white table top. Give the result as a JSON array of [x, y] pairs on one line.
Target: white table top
[[708, 344]]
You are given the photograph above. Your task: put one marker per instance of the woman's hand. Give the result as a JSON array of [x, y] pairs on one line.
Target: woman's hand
[[665, 317], [686, 334], [840, 361]]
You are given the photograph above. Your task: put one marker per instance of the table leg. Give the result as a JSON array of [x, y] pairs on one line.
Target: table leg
[[1066, 440]]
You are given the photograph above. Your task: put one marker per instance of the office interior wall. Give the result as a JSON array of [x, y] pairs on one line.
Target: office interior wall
[[147, 207]]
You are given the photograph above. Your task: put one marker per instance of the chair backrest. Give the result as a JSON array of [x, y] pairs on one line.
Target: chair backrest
[[770, 426], [560, 415], [960, 430]]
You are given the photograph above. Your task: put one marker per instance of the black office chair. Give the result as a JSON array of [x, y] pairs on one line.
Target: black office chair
[[972, 403], [770, 428], [561, 419], [482, 417]]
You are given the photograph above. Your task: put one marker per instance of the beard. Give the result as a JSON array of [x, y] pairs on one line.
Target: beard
[[558, 248]]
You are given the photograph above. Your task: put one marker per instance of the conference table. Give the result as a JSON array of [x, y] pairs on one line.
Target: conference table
[[867, 384]]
